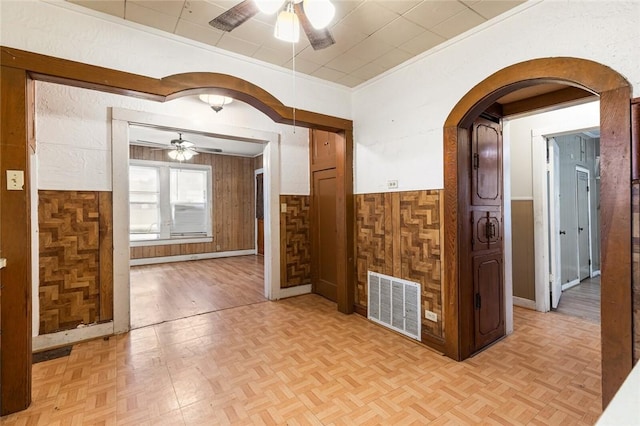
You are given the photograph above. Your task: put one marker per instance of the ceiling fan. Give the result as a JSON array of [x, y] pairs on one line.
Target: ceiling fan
[[180, 149], [313, 15]]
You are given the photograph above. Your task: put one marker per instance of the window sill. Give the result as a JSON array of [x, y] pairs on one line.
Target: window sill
[[172, 241]]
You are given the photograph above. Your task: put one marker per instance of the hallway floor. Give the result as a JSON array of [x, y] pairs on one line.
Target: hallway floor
[[299, 361], [582, 301]]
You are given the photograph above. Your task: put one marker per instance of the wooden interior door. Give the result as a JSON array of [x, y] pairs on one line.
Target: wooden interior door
[[325, 270], [485, 254], [260, 213]]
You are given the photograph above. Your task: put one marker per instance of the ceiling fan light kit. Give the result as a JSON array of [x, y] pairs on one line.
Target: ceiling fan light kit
[[287, 26], [216, 102], [182, 149], [314, 16]]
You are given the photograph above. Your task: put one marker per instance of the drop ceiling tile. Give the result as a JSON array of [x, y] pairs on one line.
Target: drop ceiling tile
[[303, 66], [399, 6], [423, 42], [233, 44], [370, 49], [253, 31], [393, 58], [343, 8], [368, 18], [398, 32], [200, 12], [199, 33], [150, 18], [430, 13], [491, 8], [458, 24], [350, 80], [273, 56], [345, 63], [168, 7], [110, 7], [328, 74], [322, 56], [368, 71]]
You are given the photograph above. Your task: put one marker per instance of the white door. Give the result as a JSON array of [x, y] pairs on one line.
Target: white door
[[555, 280], [582, 201]]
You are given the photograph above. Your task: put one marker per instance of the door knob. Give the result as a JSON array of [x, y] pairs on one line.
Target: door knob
[[580, 229], [563, 232]]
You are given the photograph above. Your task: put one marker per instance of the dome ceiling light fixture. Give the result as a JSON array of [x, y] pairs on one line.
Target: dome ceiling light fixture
[[313, 15], [216, 102]]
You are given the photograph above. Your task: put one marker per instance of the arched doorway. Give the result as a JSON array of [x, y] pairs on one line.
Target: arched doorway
[[614, 92]]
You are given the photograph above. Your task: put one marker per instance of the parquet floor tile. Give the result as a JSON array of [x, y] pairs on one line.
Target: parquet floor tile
[[299, 362]]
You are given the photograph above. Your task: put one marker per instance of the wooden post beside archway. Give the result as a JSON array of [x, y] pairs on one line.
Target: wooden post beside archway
[[615, 148]]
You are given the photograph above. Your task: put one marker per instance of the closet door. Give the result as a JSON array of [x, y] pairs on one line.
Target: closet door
[[324, 272]]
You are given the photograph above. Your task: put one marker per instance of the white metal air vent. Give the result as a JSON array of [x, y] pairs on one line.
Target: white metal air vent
[[395, 303]]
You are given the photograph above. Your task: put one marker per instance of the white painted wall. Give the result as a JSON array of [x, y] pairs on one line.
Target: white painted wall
[[398, 118], [64, 30], [579, 117], [73, 133]]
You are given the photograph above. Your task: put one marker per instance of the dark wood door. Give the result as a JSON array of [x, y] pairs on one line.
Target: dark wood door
[[483, 283], [260, 214], [488, 299], [325, 269]]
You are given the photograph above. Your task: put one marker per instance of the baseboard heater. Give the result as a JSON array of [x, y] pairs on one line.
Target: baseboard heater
[[394, 303]]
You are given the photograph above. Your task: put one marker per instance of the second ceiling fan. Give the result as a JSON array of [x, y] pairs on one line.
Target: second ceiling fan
[[313, 15]]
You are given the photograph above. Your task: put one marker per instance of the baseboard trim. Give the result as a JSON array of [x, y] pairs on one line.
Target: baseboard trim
[[570, 284], [187, 257], [360, 309], [298, 290], [595, 273], [524, 303], [67, 337]]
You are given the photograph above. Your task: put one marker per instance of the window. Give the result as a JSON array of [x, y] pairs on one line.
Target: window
[[169, 202]]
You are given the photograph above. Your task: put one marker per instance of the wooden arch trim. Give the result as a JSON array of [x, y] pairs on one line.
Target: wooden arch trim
[[615, 147], [19, 71], [78, 74]]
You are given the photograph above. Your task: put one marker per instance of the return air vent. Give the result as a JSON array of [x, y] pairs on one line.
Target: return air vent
[[395, 303]]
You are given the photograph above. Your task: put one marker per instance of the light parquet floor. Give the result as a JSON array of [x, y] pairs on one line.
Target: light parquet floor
[[299, 362], [168, 291]]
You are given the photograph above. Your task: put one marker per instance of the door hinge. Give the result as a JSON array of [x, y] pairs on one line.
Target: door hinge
[[476, 161], [589, 262], [478, 301], [587, 188]]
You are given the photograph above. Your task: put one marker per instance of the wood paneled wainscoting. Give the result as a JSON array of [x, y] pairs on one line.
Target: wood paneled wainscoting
[[233, 205], [295, 243], [76, 259], [398, 234]]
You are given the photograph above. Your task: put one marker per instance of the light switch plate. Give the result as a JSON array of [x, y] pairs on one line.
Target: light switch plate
[[15, 180]]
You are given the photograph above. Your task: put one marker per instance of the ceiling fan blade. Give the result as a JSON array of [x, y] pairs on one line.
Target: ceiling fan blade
[[319, 39], [235, 16]]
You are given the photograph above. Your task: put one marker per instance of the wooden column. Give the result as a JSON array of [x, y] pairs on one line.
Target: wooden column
[[16, 132], [615, 238]]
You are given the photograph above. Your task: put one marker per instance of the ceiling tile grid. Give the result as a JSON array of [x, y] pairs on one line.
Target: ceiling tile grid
[[372, 36]]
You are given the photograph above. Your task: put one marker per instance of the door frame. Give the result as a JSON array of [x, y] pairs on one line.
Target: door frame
[[584, 170], [20, 70], [615, 107], [540, 207]]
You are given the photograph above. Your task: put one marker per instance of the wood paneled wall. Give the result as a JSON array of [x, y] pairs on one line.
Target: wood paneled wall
[[635, 195], [76, 259], [258, 162], [398, 234], [233, 205], [295, 242], [524, 284]]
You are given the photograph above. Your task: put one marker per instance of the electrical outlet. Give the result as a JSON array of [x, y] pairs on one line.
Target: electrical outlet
[[392, 184], [283, 207], [431, 316]]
